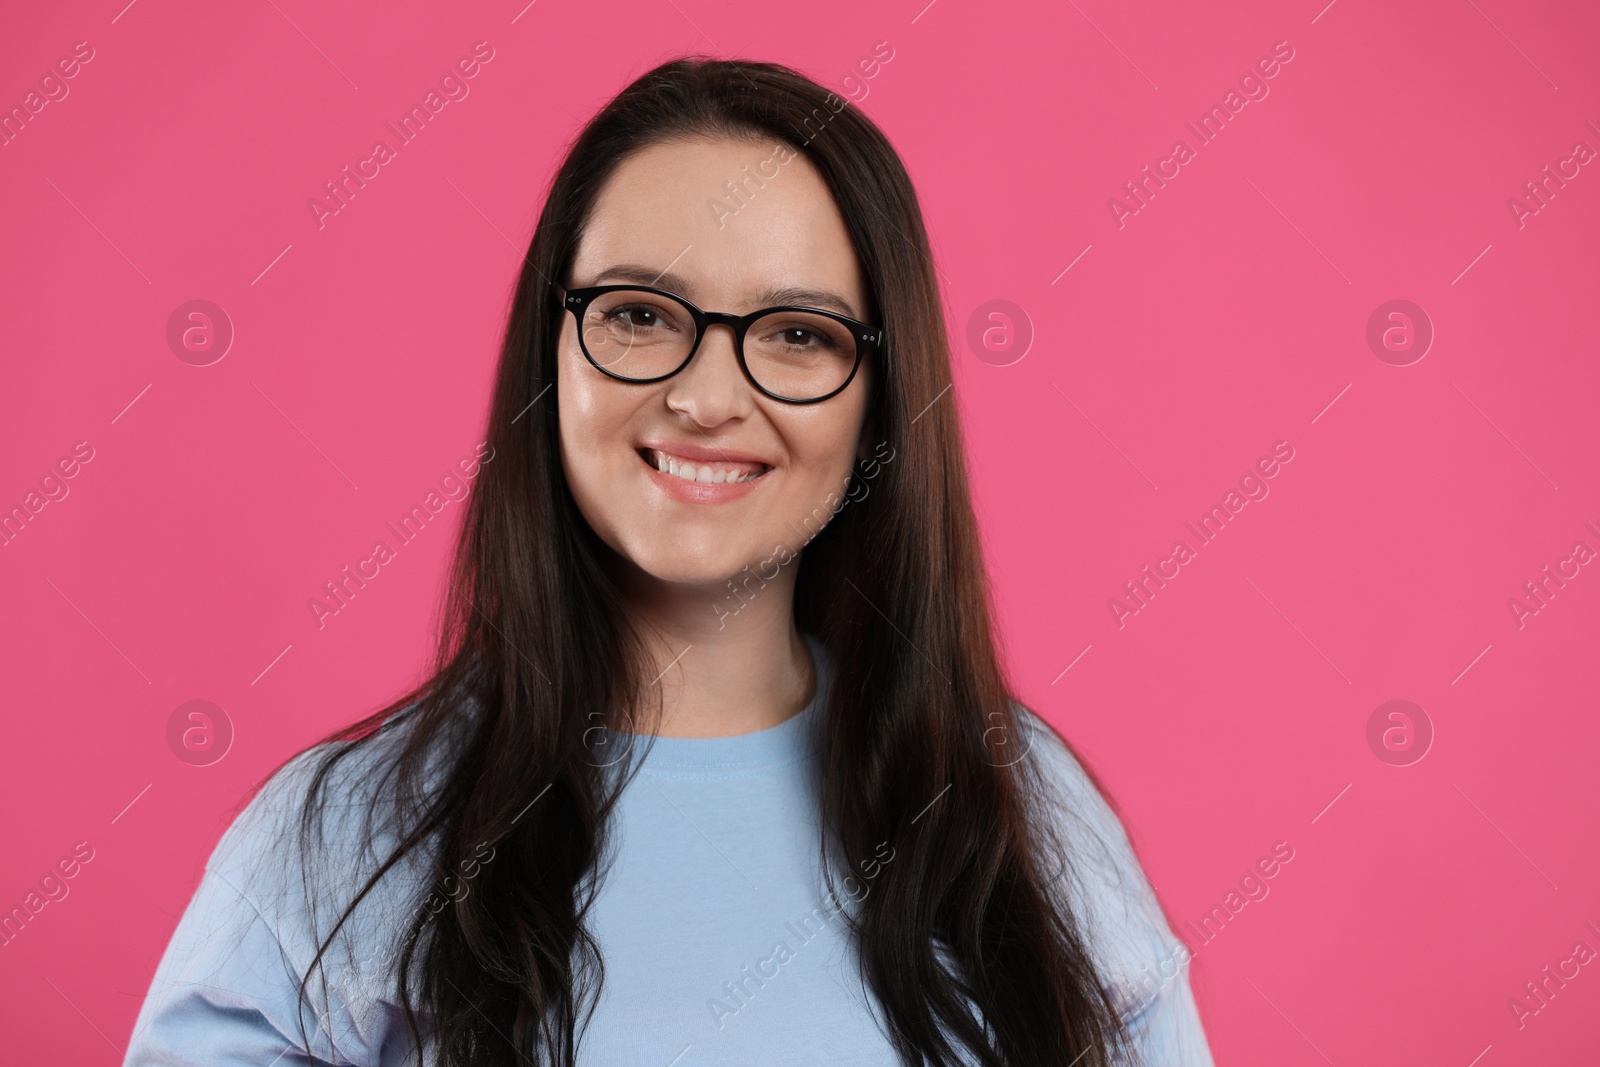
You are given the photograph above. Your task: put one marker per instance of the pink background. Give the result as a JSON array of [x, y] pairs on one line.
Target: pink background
[[1228, 314]]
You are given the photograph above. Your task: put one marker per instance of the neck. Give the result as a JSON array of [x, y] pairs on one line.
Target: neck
[[722, 665]]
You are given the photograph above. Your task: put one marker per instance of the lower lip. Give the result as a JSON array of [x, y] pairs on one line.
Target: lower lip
[[700, 492]]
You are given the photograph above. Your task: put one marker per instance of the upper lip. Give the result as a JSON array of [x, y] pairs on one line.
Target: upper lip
[[704, 453]]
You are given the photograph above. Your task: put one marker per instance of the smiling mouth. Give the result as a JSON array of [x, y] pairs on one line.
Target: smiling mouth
[[703, 473]]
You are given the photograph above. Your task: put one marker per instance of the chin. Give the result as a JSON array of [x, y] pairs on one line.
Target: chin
[[692, 565]]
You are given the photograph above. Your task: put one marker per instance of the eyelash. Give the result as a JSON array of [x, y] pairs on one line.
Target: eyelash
[[622, 311]]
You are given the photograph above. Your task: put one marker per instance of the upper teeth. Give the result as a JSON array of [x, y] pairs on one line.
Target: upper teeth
[[708, 473]]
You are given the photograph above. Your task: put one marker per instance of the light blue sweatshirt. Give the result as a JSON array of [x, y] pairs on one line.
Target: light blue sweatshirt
[[720, 943]]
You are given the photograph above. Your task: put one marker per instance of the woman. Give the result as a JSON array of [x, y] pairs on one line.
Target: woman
[[718, 764]]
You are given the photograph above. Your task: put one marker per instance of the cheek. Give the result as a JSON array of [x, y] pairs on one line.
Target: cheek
[[592, 413], [592, 421], [823, 452]]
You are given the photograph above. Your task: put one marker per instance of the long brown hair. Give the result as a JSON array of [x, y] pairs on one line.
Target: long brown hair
[[963, 941]]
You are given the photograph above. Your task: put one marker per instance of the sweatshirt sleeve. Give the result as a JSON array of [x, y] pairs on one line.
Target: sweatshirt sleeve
[[1144, 965], [226, 993], [227, 989]]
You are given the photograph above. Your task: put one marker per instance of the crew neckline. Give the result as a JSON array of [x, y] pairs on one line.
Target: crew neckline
[[737, 754]]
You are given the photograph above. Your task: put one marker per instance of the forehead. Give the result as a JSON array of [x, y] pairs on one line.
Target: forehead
[[728, 219]]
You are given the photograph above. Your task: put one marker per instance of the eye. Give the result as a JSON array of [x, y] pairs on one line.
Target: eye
[[638, 316], [797, 336]]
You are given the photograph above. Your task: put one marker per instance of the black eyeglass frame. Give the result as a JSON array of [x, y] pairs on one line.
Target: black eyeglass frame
[[868, 338]]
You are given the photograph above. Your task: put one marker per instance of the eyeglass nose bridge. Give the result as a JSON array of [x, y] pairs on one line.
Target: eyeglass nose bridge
[[703, 321], [737, 324]]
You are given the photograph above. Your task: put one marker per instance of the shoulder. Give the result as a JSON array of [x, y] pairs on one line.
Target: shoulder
[[305, 847], [318, 805], [270, 903]]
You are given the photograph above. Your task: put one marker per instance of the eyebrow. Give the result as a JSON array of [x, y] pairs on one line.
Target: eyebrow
[[775, 296]]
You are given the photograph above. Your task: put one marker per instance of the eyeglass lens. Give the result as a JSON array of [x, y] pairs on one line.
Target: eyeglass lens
[[641, 335]]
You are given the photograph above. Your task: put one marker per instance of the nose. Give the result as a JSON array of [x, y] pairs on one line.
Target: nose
[[712, 388]]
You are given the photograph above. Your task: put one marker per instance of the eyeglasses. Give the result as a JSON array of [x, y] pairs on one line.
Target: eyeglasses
[[798, 355]]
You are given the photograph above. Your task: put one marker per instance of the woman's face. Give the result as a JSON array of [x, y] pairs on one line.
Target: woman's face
[[654, 223]]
